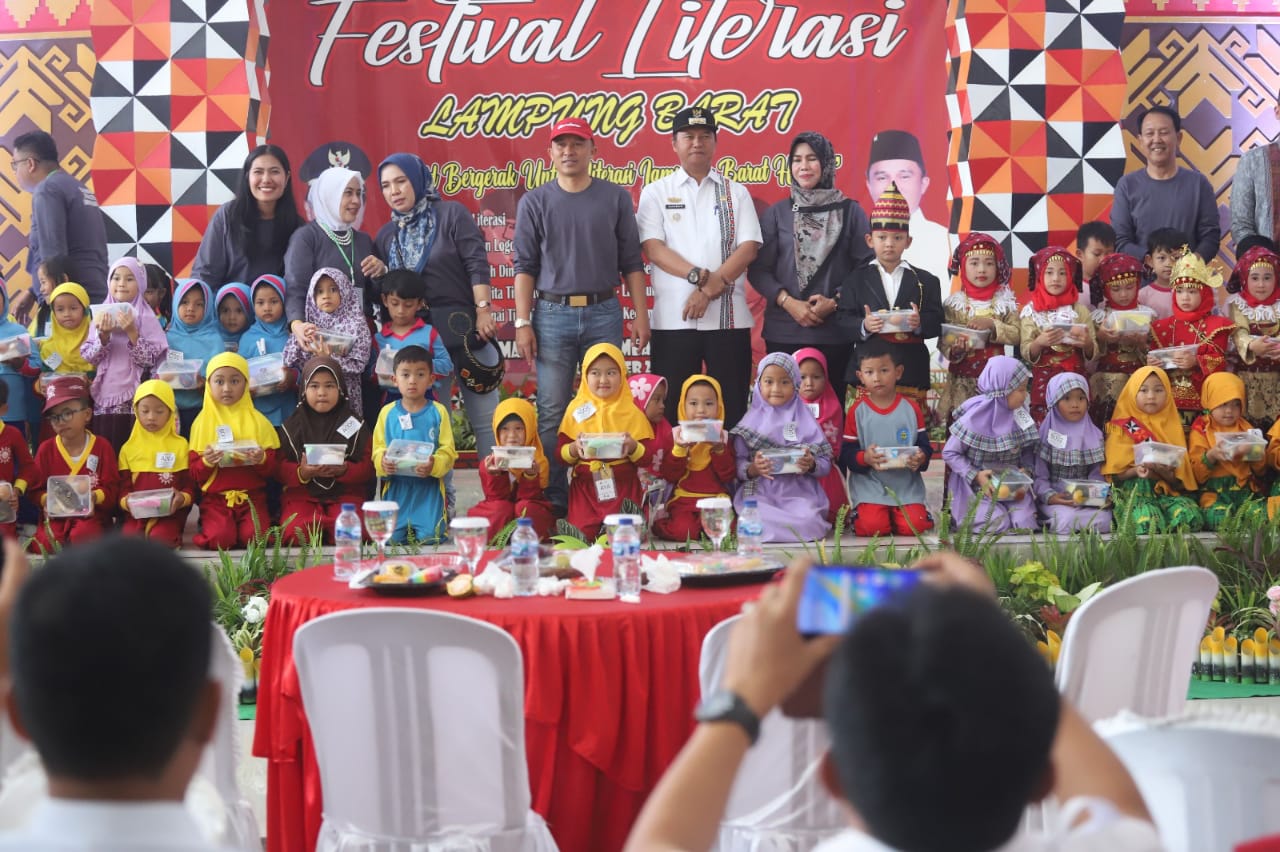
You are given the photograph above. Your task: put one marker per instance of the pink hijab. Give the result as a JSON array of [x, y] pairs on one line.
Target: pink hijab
[[830, 413]]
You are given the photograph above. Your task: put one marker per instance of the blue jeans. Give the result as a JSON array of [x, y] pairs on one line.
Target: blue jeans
[[564, 334]]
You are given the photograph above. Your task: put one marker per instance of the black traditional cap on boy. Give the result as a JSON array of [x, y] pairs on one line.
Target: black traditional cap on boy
[[895, 145], [694, 117]]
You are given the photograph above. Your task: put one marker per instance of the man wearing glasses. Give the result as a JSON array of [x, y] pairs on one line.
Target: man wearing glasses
[[65, 220]]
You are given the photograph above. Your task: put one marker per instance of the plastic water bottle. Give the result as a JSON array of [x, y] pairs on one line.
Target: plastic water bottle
[[626, 561], [524, 558], [346, 543], [750, 529]]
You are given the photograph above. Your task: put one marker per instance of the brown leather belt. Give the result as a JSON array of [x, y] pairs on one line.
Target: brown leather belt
[[578, 300]]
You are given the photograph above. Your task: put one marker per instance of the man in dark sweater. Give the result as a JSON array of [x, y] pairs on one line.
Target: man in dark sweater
[[575, 237], [869, 295], [65, 219]]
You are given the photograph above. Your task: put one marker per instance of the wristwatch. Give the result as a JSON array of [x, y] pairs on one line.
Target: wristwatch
[[694, 276], [725, 706], [483, 304], [523, 323]]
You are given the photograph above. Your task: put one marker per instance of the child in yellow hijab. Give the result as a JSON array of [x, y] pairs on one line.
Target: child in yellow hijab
[[1226, 481], [603, 474], [68, 326], [697, 468], [1146, 412], [233, 454], [155, 458], [511, 493]]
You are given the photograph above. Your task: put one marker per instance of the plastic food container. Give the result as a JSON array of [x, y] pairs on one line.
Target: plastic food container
[[180, 375], [1248, 446], [1167, 355], [701, 431], [784, 460], [1069, 330], [604, 446], [953, 334], [237, 453], [69, 496], [339, 342], [1133, 319], [157, 503], [407, 455], [896, 458], [7, 515], [385, 367], [895, 320], [1153, 452], [1010, 485], [324, 454], [116, 310], [18, 346], [266, 373], [1087, 492], [513, 458]]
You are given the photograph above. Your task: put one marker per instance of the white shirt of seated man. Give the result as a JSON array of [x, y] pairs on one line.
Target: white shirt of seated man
[[1083, 825]]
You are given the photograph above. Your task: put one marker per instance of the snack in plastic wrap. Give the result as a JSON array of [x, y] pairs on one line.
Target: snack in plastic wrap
[[156, 503], [180, 375], [513, 458], [604, 446], [406, 455], [69, 496]]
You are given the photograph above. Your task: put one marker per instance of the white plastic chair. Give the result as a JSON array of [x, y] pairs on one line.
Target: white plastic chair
[[221, 760], [1132, 645], [418, 724], [778, 803], [1210, 781]]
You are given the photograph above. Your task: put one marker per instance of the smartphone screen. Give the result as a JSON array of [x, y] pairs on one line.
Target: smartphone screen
[[834, 595]]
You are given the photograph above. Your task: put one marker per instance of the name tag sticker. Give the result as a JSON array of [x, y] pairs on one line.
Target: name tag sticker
[[262, 346], [174, 355], [582, 412], [1057, 440], [54, 360], [165, 461], [225, 435], [813, 407], [406, 421], [350, 427], [790, 432], [92, 464], [1023, 418], [606, 488]]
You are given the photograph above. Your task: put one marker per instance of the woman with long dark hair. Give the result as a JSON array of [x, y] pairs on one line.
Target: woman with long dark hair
[[248, 235]]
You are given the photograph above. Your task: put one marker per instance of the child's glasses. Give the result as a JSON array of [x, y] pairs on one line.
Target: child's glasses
[[64, 416]]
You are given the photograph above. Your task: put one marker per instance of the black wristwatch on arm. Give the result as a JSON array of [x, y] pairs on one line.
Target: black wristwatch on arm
[[694, 276], [725, 706]]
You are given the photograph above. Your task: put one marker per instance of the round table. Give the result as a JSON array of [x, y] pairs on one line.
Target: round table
[[609, 694]]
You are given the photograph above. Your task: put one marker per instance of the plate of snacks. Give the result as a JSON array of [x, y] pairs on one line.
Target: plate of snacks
[[409, 576]]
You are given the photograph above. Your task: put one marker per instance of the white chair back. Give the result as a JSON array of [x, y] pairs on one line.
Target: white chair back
[[1132, 645], [1208, 787], [221, 761], [778, 803], [418, 724]]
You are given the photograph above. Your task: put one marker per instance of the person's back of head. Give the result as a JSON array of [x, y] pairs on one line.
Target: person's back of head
[[1254, 240], [941, 716], [110, 647]]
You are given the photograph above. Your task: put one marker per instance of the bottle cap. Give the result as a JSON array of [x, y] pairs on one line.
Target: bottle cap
[[625, 522], [749, 503], [348, 507], [524, 522]]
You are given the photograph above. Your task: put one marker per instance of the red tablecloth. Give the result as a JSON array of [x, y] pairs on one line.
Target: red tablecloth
[[609, 692]]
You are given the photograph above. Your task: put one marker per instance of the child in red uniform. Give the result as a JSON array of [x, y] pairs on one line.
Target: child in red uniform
[[234, 507], [696, 469], [649, 390], [511, 494], [597, 487], [1192, 323], [72, 451], [17, 469], [819, 395], [1057, 332], [314, 494], [154, 457]]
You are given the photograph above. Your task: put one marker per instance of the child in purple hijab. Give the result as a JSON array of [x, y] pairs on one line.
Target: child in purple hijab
[[122, 347], [1071, 447], [993, 432], [793, 506], [335, 305]]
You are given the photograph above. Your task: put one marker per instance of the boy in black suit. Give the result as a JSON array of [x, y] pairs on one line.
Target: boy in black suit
[[890, 283]]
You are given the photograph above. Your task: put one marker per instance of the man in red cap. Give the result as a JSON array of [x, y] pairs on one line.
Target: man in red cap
[[575, 238]]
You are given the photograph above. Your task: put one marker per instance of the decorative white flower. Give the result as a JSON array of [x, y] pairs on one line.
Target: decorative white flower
[[640, 386], [166, 478], [6, 455], [255, 609]]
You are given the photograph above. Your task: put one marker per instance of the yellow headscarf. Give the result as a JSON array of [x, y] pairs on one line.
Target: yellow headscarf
[[618, 413], [66, 341], [523, 409], [246, 423], [1164, 426], [700, 454], [139, 453], [1219, 389]]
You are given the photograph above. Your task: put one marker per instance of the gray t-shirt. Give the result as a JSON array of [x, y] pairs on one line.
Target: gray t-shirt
[[577, 242], [310, 249], [457, 260], [1185, 201], [220, 261], [66, 220]]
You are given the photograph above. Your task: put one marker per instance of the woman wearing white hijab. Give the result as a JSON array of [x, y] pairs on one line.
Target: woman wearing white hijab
[[332, 238]]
